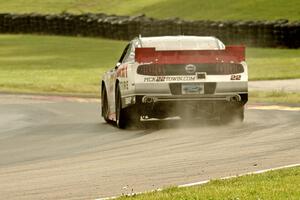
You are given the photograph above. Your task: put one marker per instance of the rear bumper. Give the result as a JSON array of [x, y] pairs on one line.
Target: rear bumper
[[211, 87], [151, 99], [216, 97], [229, 91]]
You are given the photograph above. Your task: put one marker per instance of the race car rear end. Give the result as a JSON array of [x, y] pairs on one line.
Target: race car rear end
[[191, 83], [185, 76]]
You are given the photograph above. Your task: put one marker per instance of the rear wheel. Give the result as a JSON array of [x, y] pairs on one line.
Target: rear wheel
[[125, 116], [120, 114], [104, 104]]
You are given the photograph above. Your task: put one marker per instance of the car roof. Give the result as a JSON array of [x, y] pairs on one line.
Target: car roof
[[182, 43]]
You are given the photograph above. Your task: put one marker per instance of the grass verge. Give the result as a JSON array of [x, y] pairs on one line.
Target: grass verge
[[192, 9], [274, 97], [268, 63], [275, 185], [52, 64]]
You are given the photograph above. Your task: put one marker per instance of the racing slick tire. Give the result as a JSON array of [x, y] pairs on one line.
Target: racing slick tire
[[120, 113], [232, 114], [125, 117], [104, 104]]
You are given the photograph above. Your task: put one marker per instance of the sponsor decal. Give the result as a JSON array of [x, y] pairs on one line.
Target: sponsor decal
[[201, 75], [190, 69], [124, 85], [235, 77], [169, 78]]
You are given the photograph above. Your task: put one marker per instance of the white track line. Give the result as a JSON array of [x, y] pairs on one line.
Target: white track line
[[207, 181], [235, 176]]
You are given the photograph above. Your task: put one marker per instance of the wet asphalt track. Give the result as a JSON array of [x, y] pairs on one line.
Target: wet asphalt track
[[55, 148]]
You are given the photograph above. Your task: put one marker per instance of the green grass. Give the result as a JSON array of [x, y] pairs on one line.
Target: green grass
[[55, 64], [275, 185], [51, 64], [274, 97], [268, 63], [191, 9]]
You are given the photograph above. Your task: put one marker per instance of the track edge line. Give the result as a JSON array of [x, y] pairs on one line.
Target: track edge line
[[207, 181]]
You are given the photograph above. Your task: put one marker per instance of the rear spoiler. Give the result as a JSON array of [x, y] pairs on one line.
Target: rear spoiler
[[231, 54]]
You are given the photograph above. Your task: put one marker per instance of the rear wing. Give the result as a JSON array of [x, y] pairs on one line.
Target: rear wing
[[231, 54]]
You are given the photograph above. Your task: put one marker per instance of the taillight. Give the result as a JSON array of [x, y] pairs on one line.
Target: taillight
[[151, 70]]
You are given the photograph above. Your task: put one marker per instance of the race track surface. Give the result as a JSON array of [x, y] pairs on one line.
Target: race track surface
[[60, 148]]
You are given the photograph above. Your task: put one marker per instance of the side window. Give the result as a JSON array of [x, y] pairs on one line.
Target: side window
[[130, 54], [131, 51], [124, 54]]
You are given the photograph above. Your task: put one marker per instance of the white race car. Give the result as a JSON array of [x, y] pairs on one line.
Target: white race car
[[185, 76]]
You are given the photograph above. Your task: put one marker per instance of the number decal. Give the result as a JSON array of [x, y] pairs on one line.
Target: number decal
[[235, 77]]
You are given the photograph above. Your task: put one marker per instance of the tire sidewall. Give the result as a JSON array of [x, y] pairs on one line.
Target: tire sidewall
[[104, 105], [120, 120]]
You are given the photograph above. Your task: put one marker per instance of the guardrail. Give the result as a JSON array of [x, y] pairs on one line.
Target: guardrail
[[279, 33]]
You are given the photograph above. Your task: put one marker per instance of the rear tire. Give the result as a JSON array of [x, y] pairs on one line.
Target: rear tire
[[120, 114], [104, 105], [125, 117]]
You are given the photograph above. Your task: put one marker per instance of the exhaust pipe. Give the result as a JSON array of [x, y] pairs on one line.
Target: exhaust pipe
[[235, 98], [148, 100]]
